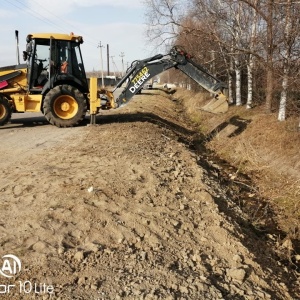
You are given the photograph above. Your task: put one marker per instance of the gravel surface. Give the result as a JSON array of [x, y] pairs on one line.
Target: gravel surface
[[124, 210]]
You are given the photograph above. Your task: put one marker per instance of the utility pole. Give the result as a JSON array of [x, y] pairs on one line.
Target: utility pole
[[107, 59], [112, 60], [122, 55], [101, 60]]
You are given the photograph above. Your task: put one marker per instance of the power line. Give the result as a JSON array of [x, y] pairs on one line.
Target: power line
[[34, 13], [49, 12], [44, 19], [64, 21]]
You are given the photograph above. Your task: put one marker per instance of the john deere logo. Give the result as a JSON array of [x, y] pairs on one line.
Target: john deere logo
[[11, 265]]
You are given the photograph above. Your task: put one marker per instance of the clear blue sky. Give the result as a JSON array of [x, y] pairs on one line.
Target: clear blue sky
[[119, 23]]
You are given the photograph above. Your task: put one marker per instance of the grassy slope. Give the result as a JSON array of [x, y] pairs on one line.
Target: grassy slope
[[268, 150]]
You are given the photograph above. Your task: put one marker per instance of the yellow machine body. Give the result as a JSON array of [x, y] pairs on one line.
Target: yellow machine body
[[16, 93], [53, 80]]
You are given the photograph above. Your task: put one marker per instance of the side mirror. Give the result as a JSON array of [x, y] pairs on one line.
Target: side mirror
[[29, 47], [25, 55]]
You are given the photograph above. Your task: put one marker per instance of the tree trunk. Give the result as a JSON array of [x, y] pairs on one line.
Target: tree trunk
[[230, 88], [283, 96], [230, 81], [270, 49], [238, 98], [250, 82], [286, 64], [250, 63], [269, 89]]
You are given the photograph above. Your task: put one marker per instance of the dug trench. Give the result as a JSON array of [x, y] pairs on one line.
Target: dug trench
[[259, 214], [137, 208]]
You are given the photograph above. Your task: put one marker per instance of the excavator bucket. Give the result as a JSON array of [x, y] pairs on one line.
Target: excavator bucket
[[217, 105]]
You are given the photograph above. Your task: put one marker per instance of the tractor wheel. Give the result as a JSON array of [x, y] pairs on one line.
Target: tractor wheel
[[64, 106], [5, 111]]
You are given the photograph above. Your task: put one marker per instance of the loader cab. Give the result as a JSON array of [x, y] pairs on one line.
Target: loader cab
[[54, 59]]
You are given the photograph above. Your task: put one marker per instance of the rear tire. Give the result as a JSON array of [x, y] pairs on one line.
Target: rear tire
[[64, 106], [5, 111]]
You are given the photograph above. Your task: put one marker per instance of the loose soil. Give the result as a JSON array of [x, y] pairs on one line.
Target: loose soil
[[131, 208]]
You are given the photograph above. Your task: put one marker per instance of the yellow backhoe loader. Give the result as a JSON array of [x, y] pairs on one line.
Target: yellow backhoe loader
[[53, 81]]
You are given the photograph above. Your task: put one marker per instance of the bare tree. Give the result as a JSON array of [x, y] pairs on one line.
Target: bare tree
[[290, 33], [232, 21], [246, 34], [237, 33], [250, 62], [176, 22], [270, 50], [286, 62], [164, 18]]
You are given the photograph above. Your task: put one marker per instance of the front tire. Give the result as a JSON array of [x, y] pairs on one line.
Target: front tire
[[64, 106], [5, 111]]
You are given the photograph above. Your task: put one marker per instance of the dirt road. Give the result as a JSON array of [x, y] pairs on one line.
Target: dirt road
[[123, 210]]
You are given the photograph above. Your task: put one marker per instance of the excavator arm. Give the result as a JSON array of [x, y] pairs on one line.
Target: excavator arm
[[143, 70], [139, 73]]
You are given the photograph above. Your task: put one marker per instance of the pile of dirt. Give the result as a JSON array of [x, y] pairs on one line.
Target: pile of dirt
[[129, 209]]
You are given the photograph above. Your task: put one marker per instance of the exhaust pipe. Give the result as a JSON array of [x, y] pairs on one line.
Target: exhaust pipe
[[17, 44]]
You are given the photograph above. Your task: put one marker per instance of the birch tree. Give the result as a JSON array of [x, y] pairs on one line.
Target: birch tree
[[236, 21], [290, 31], [230, 80], [236, 29], [250, 63], [223, 29], [245, 34], [170, 21]]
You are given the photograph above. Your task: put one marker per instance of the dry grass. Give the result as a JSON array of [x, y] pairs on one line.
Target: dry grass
[[268, 150]]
